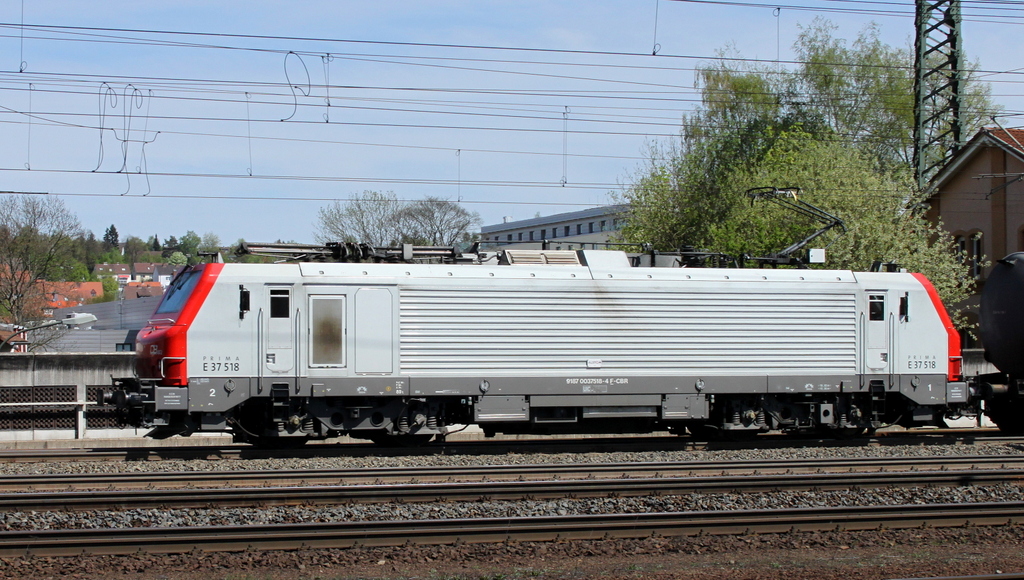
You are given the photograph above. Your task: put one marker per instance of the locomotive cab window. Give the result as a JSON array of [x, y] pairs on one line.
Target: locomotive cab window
[[876, 307], [279, 303], [179, 291]]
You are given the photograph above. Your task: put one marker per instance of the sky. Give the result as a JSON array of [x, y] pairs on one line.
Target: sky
[[245, 118]]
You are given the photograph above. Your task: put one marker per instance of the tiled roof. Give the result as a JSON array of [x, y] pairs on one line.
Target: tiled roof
[[1010, 140], [68, 294], [111, 269], [1012, 137]]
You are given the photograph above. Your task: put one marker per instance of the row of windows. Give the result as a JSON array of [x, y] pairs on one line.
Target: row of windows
[[970, 250], [563, 232]]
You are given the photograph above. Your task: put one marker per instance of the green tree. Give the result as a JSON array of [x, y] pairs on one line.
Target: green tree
[[73, 271], [133, 248], [177, 259], [864, 91], [189, 245], [111, 290], [839, 126], [210, 242], [110, 238], [170, 246], [882, 211]]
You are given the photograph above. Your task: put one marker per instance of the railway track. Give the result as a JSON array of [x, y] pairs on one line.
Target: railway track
[[585, 485], [433, 532], [503, 446], [432, 474]]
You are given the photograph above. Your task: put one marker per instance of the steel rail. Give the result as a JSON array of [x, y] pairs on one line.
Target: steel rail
[[426, 474], [492, 530], [499, 490], [491, 447]]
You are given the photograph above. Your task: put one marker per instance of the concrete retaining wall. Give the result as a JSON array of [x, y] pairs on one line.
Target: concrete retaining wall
[[52, 369], [50, 396]]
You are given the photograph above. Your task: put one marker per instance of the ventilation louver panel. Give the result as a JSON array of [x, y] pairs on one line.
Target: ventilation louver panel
[[552, 257]]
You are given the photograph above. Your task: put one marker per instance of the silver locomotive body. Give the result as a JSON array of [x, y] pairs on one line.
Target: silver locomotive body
[[570, 342]]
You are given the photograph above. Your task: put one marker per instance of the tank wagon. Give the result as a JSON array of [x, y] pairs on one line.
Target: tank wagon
[[539, 342], [1002, 333]]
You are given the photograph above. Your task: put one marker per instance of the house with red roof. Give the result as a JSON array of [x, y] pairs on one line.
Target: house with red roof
[[978, 196], [122, 272]]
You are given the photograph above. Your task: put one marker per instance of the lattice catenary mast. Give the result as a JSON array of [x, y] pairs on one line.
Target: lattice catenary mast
[[937, 84]]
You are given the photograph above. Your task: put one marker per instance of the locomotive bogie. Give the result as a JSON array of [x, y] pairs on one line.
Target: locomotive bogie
[[314, 350]]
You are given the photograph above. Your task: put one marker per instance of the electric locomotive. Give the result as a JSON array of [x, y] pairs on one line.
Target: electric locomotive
[[538, 341]]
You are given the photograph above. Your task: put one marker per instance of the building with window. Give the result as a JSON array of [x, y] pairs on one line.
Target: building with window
[[573, 229], [979, 198]]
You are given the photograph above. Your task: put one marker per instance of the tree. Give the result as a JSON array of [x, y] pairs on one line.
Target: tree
[[133, 247], [839, 126], [110, 239], [111, 289], [177, 259], [210, 242], [154, 243], [170, 246], [371, 217], [36, 244], [883, 212], [189, 245], [380, 219], [87, 249], [865, 91], [437, 222]]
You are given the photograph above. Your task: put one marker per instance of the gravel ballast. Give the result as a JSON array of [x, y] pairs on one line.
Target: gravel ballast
[[305, 463], [794, 556]]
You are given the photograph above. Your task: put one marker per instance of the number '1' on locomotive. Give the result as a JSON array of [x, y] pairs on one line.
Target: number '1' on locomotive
[[540, 342]]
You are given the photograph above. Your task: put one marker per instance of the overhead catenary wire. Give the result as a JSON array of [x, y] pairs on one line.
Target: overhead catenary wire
[[858, 193], [552, 112], [592, 88], [633, 65]]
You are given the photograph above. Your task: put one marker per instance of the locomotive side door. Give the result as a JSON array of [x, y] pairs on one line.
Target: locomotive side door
[[375, 332], [878, 330], [279, 331]]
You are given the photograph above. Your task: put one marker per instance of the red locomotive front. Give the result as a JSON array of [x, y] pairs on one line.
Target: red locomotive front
[[161, 347]]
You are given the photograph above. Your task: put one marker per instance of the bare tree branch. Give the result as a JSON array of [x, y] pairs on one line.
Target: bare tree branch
[[36, 244]]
